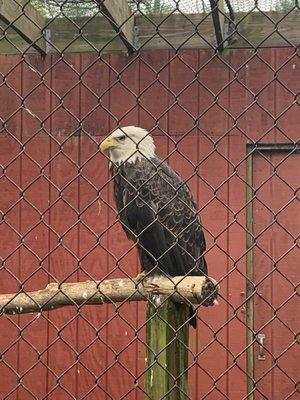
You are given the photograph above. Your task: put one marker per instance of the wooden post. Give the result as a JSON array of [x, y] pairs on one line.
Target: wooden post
[[167, 337]]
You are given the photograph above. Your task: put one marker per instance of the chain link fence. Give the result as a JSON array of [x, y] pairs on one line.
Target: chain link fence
[[217, 86]]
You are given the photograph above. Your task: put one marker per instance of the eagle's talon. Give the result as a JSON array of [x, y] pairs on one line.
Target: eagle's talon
[[151, 284]]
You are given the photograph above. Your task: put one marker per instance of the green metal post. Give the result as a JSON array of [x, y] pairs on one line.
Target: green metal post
[[167, 337]]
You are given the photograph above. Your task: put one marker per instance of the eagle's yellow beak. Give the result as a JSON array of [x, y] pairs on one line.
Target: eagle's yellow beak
[[108, 143]]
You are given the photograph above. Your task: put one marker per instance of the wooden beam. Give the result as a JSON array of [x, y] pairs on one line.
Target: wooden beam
[[167, 338], [121, 18], [27, 22]]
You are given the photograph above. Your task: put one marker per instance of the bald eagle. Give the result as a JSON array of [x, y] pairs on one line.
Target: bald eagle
[[155, 207]]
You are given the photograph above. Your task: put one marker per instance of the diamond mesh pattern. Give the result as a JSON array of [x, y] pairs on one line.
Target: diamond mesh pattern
[[228, 123]]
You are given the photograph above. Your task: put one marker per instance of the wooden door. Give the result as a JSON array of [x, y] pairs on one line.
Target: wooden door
[[276, 274]]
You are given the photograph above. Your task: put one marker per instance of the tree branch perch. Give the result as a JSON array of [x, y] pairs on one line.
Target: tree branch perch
[[191, 289]]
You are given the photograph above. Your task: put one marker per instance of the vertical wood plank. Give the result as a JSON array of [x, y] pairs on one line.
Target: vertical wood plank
[[213, 174], [183, 150], [258, 121], [286, 87], [64, 202], [238, 102], [94, 211], [154, 93], [10, 181], [35, 248], [154, 102], [121, 322]]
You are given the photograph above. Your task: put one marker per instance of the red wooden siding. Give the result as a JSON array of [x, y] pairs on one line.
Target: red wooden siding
[[59, 220]]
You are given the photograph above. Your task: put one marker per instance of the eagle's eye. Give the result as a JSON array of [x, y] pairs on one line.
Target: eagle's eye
[[122, 138]]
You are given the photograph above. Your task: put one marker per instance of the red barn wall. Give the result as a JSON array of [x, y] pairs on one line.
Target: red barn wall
[[58, 216]]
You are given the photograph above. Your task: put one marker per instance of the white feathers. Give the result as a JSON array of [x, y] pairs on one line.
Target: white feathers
[[134, 143]]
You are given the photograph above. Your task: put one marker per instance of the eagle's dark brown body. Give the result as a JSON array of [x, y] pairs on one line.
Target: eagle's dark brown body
[[157, 211]]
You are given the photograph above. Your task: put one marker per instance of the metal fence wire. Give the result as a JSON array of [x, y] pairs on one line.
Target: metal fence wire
[[216, 84]]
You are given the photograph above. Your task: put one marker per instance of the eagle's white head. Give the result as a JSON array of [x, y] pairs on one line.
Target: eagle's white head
[[128, 144]]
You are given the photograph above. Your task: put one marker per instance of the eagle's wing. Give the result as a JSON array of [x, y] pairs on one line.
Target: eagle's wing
[[179, 213], [159, 210]]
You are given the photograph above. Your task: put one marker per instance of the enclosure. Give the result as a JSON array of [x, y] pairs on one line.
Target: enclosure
[[217, 85]]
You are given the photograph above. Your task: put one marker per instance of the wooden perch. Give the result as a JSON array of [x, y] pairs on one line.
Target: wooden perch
[[196, 290]]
